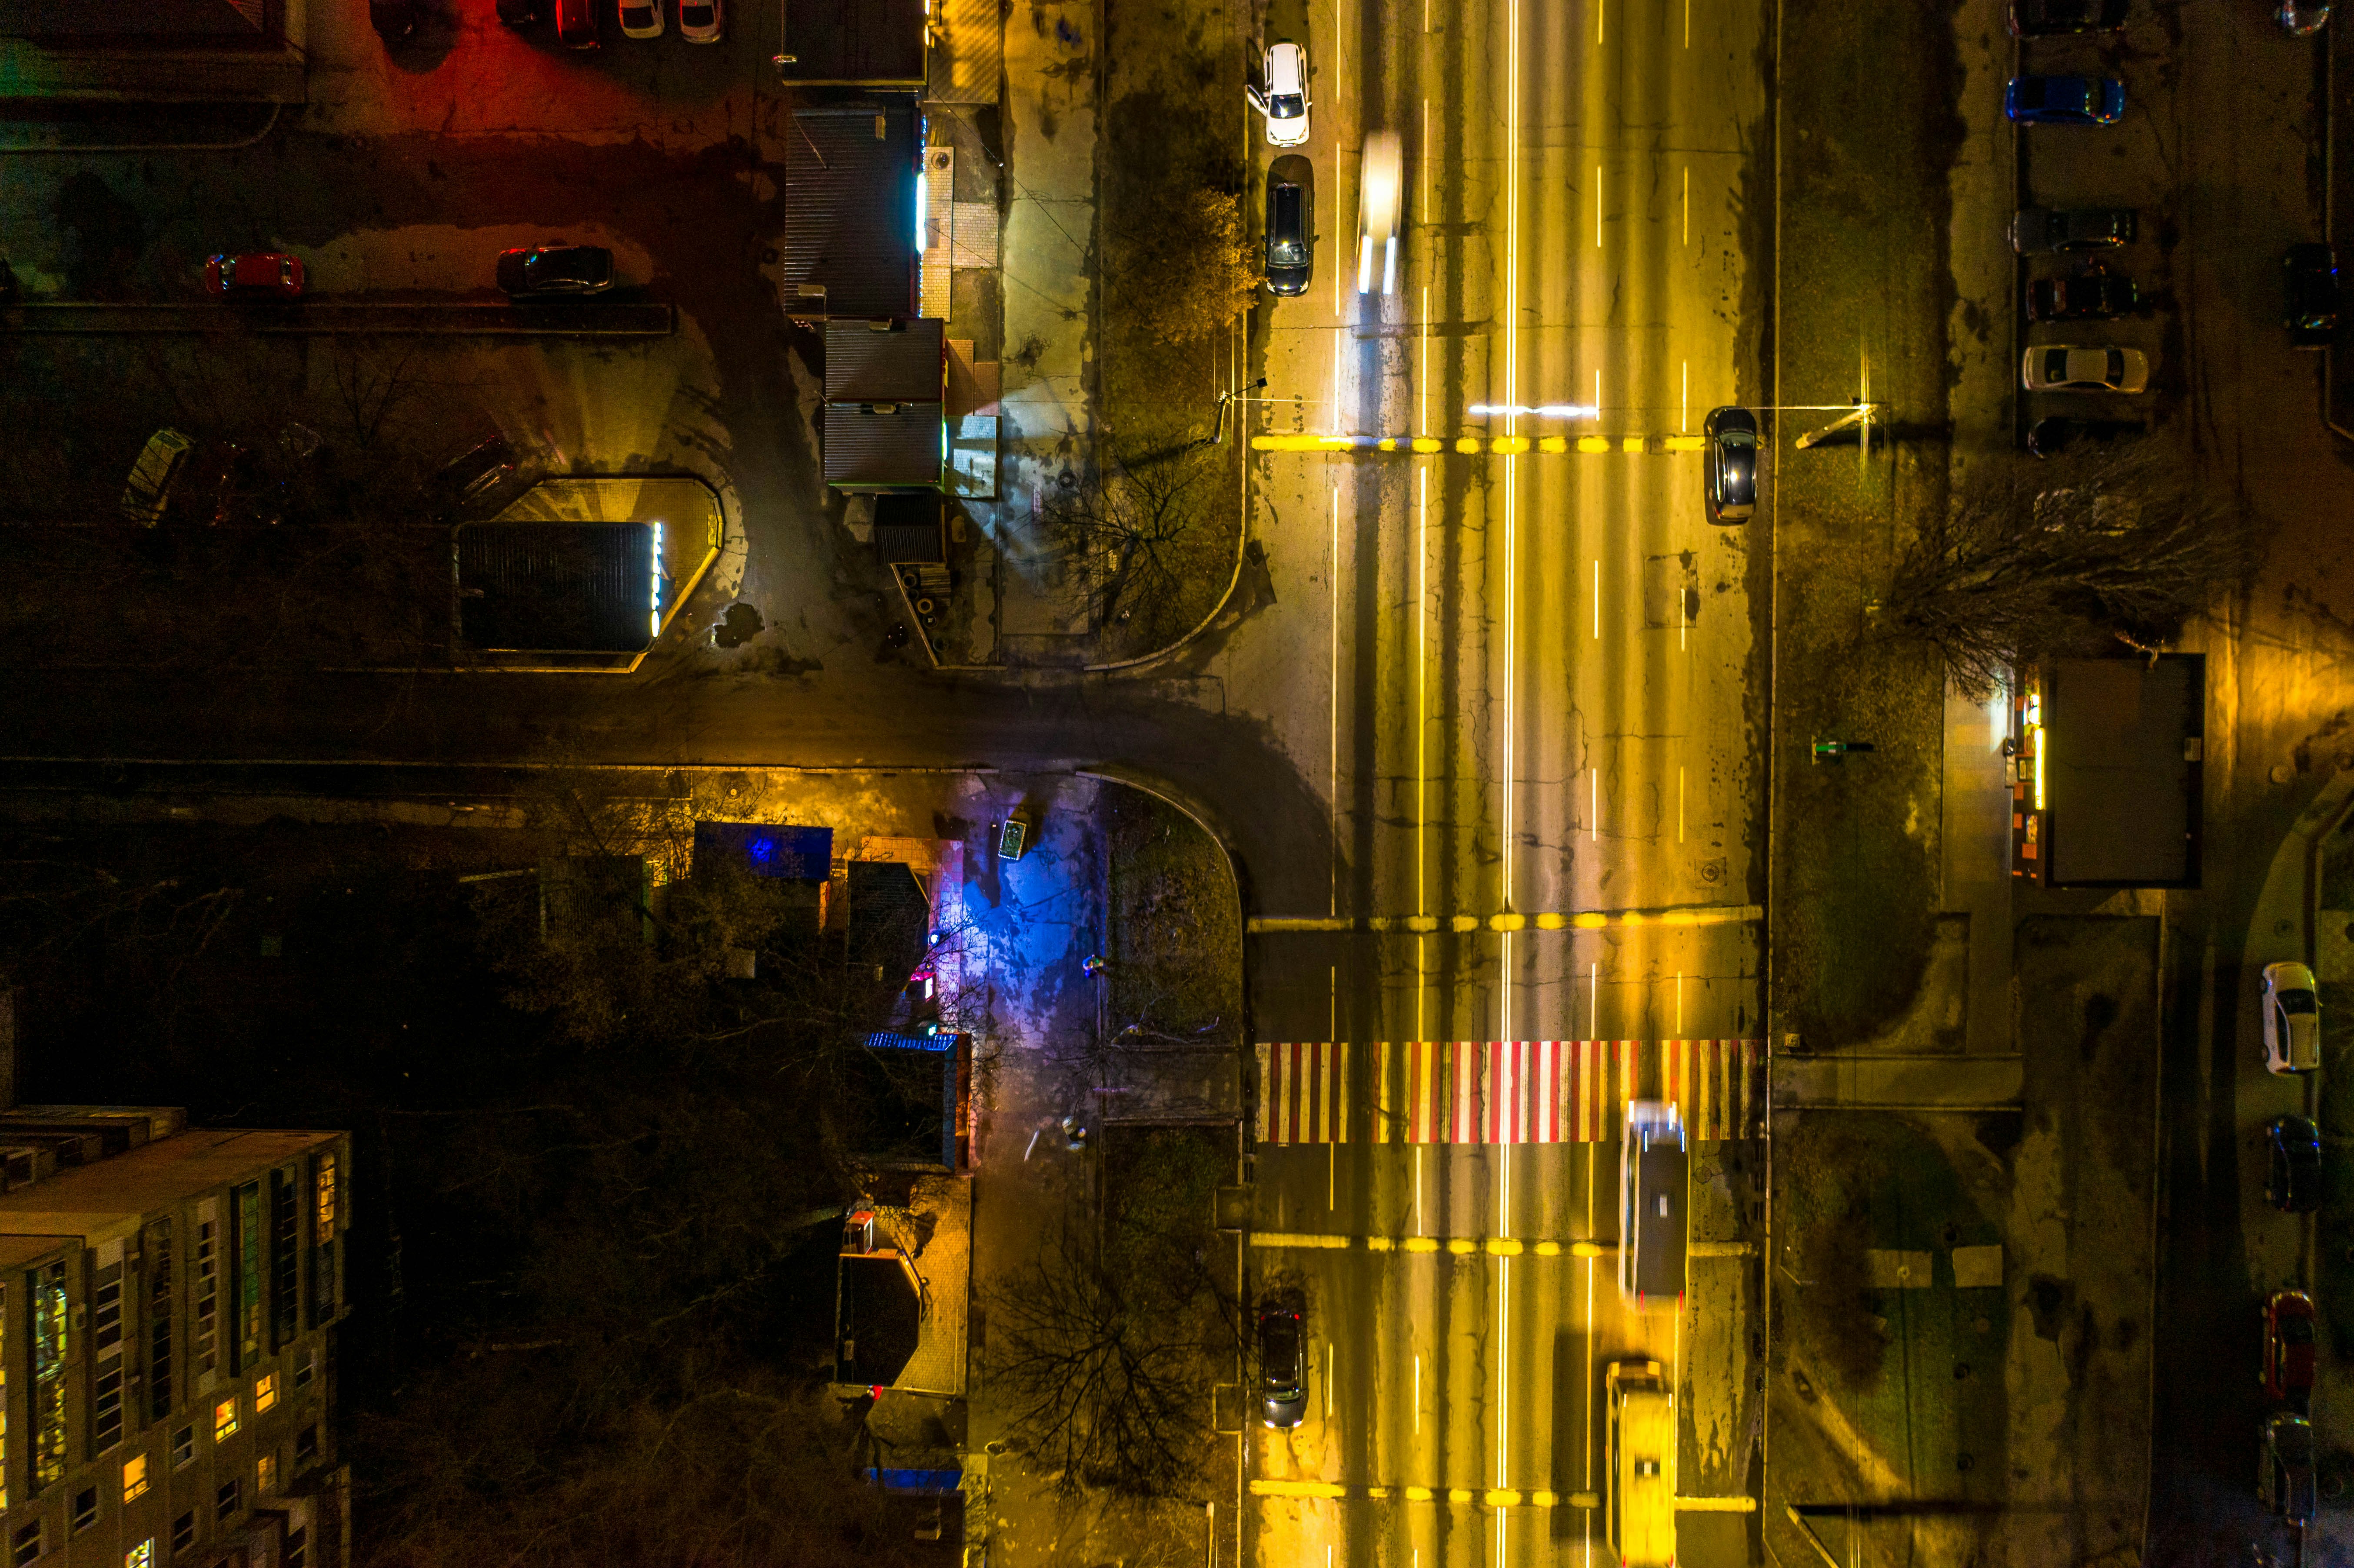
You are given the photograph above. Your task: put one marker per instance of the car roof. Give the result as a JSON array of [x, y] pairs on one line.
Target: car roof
[[1284, 68]]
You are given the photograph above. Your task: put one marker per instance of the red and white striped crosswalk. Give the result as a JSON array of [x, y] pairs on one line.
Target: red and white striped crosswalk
[[1510, 1091]]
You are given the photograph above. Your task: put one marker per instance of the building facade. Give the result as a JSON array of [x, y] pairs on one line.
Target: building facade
[[168, 1300]]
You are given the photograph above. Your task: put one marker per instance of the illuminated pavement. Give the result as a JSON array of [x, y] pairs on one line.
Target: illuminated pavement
[[1520, 682]]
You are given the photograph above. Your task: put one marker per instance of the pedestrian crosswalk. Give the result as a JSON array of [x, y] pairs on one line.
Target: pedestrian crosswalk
[[1508, 1091]]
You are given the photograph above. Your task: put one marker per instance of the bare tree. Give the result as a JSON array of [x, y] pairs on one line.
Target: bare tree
[[2069, 555], [1109, 1380], [1127, 529]]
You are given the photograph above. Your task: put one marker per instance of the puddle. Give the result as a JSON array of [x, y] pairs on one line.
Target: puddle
[[738, 626]]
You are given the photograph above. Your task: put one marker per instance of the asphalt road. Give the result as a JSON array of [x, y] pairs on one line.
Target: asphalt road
[[1523, 684]]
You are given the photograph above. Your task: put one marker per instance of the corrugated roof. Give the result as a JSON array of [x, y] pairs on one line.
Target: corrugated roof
[[767, 849], [584, 587], [907, 528], [854, 42], [904, 362], [864, 450], [850, 207]]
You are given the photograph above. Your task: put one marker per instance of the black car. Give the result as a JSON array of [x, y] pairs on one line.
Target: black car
[[2312, 279], [2051, 18], [2048, 437], [2293, 1170], [2284, 1480], [1729, 478], [1282, 1364], [476, 472], [392, 19], [1290, 250], [2040, 230], [2088, 296], [557, 269], [518, 13]]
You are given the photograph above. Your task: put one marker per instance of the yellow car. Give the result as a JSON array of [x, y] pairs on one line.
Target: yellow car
[[1642, 1502]]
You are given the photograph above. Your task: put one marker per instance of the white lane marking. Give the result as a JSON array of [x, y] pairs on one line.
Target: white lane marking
[[1598, 601], [1597, 206], [1332, 1155], [1594, 813], [1683, 415], [1417, 1404], [1328, 1380], [1680, 1014], [1418, 1212], [1332, 565], [1680, 807], [1593, 1000], [1687, 204]]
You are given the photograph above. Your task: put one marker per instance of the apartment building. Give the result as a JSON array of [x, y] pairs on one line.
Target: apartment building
[[168, 1299]]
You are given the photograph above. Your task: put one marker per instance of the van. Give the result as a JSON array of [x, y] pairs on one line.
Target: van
[[159, 467], [1652, 1182], [1641, 1506]]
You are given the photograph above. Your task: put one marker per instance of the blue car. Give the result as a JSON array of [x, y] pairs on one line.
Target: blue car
[[2064, 100]]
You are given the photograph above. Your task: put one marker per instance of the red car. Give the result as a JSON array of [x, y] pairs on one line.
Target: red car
[[2288, 1345], [263, 273]]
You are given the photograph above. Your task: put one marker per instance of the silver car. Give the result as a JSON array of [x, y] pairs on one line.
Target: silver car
[[2292, 1019]]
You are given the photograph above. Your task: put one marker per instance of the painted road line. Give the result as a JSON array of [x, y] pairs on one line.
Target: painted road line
[[1504, 1092], [1473, 446], [1492, 1496], [1457, 1246], [1721, 1249], [1585, 920]]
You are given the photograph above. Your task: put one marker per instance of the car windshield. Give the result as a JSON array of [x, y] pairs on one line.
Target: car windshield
[[1285, 106], [694, 15], [2298, 1001], [2297, 1332]]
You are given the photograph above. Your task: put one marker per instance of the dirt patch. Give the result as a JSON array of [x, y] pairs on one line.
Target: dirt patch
[[1828, 1176], [1175, 927]]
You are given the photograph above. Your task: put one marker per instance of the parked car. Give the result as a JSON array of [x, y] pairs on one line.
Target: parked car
[[519, 13], [2064, 100], [2288, 1347], [2302, 18], [2292, 1019], [2049, 19], [153, 473], [1729, 464], [2311, 270], [211, 483], [1379, 191], [2067, 367], [2042, 230], [2293, 1164], [2053, 435], [2284, 1480], [1284, 99], [576, 24], [556, 268], [640, 18], [269, 272], [475, 473], [2092, 296], [1291, 248], [1282, 1364], [699, 21], [392, 19]]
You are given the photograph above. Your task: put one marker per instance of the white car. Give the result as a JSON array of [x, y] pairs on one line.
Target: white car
[[1380, 193], [2292, 1020], [1285, 99], [2067, 369], [698, 21], [642, 19]]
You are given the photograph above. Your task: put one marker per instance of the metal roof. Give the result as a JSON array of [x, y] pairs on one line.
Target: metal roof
[[557, 586], [854, 42], [886, 362], [900, 449], [850, 207]]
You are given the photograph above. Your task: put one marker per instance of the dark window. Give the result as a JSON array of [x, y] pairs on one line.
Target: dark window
[[245, 1283], [225, 1499], [27, 1544], [325, 1200], [107, 1354], [48, 1293], [85, 1509], [298, 1548], [183, 1447], [305, 1362], [159, 1320], [285, 1258], [306, 1444], [184, 1531], [205, 1342]]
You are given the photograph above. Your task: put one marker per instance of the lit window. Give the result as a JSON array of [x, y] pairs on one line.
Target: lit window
[[265, 1474], [142, 1555], [135, 1478], [265, 1393], [225, 1418]]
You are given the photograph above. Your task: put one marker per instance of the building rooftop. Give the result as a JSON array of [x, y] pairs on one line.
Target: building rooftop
[[108, 1199]]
